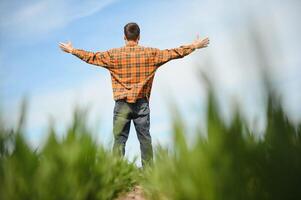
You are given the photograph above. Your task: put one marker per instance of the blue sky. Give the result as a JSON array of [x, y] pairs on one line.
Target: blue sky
[[31, 63]]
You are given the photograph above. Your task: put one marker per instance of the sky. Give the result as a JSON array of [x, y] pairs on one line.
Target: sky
[[54, 83]]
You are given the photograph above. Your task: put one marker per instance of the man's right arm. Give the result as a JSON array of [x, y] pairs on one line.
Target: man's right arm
[[163, 56]]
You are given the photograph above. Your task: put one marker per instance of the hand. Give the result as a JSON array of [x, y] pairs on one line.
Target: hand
[[200, 43], [67, 47]]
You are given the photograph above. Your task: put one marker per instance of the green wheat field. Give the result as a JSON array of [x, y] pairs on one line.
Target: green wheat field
[[231, 163]]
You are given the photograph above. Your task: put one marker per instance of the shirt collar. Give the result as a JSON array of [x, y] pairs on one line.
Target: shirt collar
[[131, 44]]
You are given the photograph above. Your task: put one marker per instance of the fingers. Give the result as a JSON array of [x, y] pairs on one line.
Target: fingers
[[201, 43], [63, 44], [64, 47], [206, 41]]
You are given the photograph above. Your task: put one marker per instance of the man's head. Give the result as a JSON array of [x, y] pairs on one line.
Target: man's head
[[131, 32]]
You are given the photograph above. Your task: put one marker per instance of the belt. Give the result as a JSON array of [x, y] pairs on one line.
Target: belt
[[140, 99]]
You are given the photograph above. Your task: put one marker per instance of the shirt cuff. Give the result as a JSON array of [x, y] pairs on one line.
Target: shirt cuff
[[188, 48], [74, 51], [192, 47]]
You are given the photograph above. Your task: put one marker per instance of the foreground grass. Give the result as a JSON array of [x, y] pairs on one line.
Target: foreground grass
[[74, 167], [231, 163]]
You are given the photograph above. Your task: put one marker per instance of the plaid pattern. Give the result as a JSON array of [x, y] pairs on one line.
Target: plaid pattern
[[132, 67]]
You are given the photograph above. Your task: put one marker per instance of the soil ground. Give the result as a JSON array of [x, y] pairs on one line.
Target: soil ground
[[136, 194]]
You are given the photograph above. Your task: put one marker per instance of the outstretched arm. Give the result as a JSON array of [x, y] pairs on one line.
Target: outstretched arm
[[163, 56], [98, 58]]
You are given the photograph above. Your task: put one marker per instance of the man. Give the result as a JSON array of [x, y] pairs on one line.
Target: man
[[132, 69]]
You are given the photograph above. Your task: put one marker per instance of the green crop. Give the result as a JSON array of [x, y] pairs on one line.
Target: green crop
[[74, 167], [231, 163]]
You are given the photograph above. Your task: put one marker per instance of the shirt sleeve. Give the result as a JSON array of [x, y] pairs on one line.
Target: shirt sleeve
[[163, 56], [98, 58]]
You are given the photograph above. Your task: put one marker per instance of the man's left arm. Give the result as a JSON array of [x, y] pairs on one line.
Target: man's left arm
[[98, 58]]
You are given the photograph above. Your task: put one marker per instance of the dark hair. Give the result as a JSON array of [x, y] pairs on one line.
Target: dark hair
[[131, 31]]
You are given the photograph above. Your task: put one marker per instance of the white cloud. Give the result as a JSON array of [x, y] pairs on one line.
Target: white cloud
[[38, 17]]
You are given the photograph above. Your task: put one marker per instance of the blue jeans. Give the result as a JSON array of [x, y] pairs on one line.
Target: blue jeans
[[139, 112]]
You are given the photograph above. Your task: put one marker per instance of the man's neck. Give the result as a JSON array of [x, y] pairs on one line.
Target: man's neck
[[131, 43]]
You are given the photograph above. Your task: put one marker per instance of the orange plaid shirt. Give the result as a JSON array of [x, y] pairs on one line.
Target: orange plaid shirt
[[132, 67]]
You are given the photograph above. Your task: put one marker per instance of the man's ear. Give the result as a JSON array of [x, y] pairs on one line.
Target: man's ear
[[124, 38], [138, 38]]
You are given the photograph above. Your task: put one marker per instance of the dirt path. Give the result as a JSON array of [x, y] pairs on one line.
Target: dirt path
[[136, 194]]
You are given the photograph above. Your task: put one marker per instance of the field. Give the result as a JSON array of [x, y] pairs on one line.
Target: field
[[231, 163]]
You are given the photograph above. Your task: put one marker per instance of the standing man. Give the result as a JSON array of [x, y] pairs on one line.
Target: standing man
[[132, 69]]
